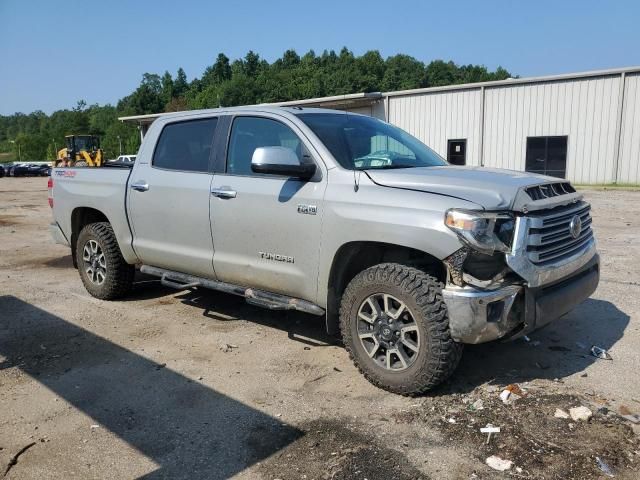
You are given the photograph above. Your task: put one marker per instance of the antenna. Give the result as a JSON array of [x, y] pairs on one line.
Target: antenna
[[356, 181]]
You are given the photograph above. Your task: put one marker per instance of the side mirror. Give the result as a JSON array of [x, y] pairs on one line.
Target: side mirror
[[280, 161]]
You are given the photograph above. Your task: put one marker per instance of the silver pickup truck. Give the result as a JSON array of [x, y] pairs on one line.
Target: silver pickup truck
[[338, 215]]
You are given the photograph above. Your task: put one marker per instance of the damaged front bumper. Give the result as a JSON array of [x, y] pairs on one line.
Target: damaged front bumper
[[478, 316], [511, 311]]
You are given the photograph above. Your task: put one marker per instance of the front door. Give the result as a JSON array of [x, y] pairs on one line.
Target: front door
[[169, 200], [266, 228], [547, 156]]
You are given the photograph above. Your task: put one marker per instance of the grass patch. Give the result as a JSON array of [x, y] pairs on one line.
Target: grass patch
[[609, 186], [7, 157]]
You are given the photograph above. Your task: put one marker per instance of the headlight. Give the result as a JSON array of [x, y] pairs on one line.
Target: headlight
[[485, 232]]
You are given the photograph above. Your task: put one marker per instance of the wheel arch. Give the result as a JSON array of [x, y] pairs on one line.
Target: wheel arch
[[354, 257], [80, 218]]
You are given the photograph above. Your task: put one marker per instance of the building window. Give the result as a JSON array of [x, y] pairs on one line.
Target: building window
[[547, 156], [457, 151]]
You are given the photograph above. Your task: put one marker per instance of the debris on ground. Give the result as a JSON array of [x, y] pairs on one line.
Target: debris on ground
[[600, 352], [498, 463], [339, 450], [580, 414], [511, 393], [540, 444], [532, 343], [559, 413], [628, 414], [14, 460], [227, 347], [490, 429], [478, 405], [606, 469]]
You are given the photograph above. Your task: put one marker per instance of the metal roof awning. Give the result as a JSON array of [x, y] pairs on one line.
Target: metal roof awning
[[353, 100]]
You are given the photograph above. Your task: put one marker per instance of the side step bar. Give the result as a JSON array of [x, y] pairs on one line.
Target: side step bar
[[260, 298]]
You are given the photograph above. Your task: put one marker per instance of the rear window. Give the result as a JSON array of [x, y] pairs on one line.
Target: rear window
[[185, 146]]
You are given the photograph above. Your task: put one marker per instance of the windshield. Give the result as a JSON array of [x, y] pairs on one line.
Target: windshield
[[84, 142], [360, 143]]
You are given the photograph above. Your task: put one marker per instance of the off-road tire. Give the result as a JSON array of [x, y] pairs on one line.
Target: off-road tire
[[439, 354], [119, 274]]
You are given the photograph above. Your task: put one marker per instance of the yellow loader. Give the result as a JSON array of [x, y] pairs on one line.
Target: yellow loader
[[81, 151]]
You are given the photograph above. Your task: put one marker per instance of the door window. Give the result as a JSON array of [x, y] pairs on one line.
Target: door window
[[185, 146], [457, 151], [547, 155], [249, 133]]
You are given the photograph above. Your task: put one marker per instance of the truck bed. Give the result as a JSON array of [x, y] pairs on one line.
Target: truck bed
[[103, 189]]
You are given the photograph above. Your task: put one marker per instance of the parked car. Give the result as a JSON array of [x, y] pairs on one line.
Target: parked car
[[30, 170], [38, 170], [18, 169], [338, 215], [126, 158], [2, 170]]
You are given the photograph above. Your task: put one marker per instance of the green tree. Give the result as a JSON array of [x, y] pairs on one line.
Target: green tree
[[403, 73], [180, 85], [439, 73], [166, 92]]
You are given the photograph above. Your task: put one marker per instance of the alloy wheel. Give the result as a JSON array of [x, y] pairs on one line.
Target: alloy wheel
[[388, 332]]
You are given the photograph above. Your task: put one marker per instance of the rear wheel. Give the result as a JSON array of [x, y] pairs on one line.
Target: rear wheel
[[103, 270], [395, 327]]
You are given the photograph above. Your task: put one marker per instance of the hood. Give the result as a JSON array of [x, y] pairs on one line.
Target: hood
[[491, 188]]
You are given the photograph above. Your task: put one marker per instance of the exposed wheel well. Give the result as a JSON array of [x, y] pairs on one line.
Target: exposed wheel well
[[80, 218], [354, 257]]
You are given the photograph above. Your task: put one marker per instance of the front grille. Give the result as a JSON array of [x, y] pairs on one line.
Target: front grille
[[549, 190], [550, 239]]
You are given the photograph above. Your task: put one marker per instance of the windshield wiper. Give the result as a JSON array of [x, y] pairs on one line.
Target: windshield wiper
[[387, 167]]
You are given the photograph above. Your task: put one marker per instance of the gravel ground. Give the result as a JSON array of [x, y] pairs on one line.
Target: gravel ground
[[168, 384]]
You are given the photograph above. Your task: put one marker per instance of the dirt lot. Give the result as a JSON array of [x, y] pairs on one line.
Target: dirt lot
[[170, 384]]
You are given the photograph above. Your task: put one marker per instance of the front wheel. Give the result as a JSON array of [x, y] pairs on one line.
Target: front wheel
[[104, 272], [395, 327]]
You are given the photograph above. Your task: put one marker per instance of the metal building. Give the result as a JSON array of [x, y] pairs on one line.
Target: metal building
[[582, 126]]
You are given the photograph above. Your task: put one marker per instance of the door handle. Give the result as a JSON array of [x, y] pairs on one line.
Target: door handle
[[223, 192], [140, 186]]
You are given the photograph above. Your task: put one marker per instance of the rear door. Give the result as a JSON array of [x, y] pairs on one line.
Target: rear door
[[169, 199], [267, 227]]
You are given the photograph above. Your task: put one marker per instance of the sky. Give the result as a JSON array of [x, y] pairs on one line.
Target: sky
[[54, 53]]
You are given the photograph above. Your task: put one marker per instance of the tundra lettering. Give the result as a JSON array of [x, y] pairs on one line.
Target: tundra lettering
[[275, 256]]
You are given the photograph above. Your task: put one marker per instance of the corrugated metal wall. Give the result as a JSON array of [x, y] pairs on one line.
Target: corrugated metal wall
[[437, 117], [629, 163], [585, 109]]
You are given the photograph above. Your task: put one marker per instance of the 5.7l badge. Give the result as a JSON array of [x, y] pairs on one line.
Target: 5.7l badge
[[307, 209]]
